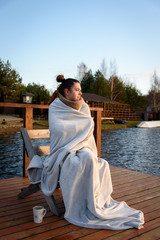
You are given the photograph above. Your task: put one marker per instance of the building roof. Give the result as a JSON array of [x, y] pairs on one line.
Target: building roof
[[96, 98]]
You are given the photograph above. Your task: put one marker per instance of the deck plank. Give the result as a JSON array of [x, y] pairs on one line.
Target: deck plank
[[140, 191]]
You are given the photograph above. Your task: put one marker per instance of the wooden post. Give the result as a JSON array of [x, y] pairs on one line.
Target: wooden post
[[28, 124], [28, 120], [97, 130]]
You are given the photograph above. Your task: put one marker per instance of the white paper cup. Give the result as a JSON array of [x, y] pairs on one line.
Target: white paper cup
[[38, 213]]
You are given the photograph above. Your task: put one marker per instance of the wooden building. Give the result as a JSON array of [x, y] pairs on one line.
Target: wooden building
[[111, 109]]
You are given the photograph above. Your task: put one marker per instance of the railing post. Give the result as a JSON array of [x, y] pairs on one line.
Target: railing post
[[28, 119], [28, 124], [97, 130]]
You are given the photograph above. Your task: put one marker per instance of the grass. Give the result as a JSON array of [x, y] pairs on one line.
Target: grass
[[40, 124], [128, 124], [105, 126]]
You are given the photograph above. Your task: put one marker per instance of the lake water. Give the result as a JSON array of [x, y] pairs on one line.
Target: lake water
[[132, 148]]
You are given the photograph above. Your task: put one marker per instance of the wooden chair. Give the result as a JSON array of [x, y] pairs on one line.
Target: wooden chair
[[28, 136]]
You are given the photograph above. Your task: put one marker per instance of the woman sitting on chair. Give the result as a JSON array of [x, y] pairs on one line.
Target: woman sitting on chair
[[84, 178]]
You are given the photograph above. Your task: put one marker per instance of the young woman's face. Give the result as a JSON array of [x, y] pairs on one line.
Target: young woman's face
[[74, 94]]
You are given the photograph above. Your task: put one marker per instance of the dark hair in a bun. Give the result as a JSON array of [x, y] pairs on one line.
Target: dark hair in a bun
[[65, 83], [60, 78]]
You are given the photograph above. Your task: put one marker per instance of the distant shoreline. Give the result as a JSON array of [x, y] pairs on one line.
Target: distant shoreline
[[128, 124]]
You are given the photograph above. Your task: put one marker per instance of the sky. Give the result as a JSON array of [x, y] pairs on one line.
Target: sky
[[45, 38]]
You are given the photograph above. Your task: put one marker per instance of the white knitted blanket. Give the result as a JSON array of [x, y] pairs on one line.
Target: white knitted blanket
[[85, 179]]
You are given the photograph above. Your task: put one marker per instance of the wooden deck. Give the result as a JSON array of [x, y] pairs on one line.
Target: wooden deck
[[141, 191]]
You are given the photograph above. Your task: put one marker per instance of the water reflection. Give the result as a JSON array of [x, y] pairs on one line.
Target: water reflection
[[133, 148]]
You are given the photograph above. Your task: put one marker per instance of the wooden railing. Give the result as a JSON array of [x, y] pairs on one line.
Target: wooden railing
[[28, 124]]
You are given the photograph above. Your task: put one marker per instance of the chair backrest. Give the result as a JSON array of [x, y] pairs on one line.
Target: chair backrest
[[40, 134], [29, 135]]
